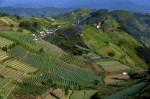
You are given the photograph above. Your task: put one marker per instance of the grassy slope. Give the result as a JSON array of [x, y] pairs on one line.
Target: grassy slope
[[98, 41]]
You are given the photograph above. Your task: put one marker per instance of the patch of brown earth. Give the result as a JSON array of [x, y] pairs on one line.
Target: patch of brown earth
[[115, 78], [92, 66]]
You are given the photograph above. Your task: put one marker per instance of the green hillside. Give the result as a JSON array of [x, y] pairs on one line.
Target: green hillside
[[136, 24], [74, 58]]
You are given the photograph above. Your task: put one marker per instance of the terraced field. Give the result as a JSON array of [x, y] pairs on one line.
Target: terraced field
[[21, 66], [49, 48], [12, 74], [33, 60], [8, 88], [129, 91], [5, 42], [17, 52], [8, 21], [112, 66], [83, 94], [3, 55]]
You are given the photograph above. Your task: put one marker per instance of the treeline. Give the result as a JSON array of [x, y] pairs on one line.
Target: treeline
[[29, 25], [5, 48]]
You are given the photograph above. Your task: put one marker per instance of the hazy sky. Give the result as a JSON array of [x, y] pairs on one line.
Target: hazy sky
[[14, 2]]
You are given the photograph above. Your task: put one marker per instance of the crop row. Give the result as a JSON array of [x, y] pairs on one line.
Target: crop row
[[4, 42], [12, 74], [34, 60], [21, 66], [17, 52]]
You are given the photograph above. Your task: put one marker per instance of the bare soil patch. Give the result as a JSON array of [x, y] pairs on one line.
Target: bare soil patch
[[92, 66], [116, 78]]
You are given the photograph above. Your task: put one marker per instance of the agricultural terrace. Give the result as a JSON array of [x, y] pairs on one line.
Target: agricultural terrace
[[12, 74], [112, 66], [49, 48], [129, 91], [33, 60], [5, 42], [17, 52], [7, 88], [21, 38], [3, 55], [21, 66], [92, 56], [8, 21], [69, 76], [82, 94]]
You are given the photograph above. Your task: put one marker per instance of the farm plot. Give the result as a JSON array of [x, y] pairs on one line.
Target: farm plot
[[4, 82], [8, 88], [4, 42], [129, 91], [49, 48], [3, 55], [113, 66], [8, 21], [17, 52], [115, 78], [21, 66], [34, 60], [83, 94], [13, 74], [92, 56], [69, 76]]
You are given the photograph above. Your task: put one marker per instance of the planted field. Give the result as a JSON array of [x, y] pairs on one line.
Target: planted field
[[68, 75], [83, 94], [129, 91], [21, 38], [8, 88], [115, 78], [8, 21], [49, 48], [13, 74], [34, 60], [21, 66], [3, 55], [113, 66], [17, 52], [92, 56], [4, 42]]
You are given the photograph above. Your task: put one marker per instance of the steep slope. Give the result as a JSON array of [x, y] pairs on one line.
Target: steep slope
[[136, 24], [111, 40]]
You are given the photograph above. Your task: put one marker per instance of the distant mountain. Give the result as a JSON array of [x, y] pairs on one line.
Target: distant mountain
[[130, 5], [28, 12]]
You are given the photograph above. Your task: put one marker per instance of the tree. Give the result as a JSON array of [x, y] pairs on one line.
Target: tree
[[32, 15], [66, 90], [41, 50]]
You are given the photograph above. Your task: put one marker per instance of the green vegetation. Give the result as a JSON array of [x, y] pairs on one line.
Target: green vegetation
[[81, 94]]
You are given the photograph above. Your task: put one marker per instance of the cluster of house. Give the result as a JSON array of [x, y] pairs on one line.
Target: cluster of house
[[46, 31]]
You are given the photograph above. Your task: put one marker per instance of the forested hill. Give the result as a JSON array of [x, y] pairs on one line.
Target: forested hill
[[28, 12]]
